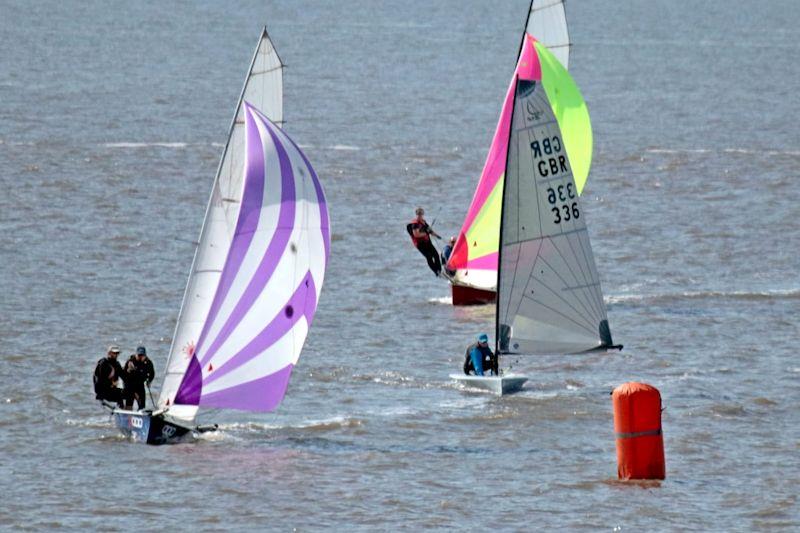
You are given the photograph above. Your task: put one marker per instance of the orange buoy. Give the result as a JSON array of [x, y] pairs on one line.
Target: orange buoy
[[637, 424]]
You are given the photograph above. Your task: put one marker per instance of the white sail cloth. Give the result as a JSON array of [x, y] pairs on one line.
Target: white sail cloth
[[549, 298], [547, 21]]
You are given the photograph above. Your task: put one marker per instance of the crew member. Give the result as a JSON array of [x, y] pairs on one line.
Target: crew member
[[446, 252], [479, 357], [138, 372], [421, 233], [107, 374]]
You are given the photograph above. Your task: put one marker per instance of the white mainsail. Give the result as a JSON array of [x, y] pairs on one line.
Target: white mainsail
[[263, 88], [549, 299], [547, 21]]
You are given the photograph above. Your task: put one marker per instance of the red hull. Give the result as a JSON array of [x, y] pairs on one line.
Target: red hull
[[463, 295]]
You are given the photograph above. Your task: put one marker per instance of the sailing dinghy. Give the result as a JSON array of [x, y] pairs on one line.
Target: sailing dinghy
[[549, 299], [257, 272], [474, 256]]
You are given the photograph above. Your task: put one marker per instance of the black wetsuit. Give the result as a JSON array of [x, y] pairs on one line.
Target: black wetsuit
[[424, 245], [137, 373], [106, 374]]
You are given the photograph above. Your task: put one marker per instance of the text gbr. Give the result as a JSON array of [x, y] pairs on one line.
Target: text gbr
[[551, 163]]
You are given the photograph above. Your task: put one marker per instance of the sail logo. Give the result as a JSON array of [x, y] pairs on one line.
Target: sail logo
[[534, 114], [136, 422]]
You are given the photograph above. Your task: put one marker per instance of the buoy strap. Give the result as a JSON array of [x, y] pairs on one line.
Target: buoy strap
[[651, 433]]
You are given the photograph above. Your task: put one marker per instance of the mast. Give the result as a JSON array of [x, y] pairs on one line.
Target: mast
[[502, 211]]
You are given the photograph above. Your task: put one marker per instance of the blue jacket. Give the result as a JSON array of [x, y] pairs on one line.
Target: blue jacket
[[476, 355]]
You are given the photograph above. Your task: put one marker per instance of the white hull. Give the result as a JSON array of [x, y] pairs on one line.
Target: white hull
[[499, 385]]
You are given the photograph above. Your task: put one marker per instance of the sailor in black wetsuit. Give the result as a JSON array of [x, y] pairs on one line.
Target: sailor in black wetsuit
[[138, 372], [420, 233], [106, 376]]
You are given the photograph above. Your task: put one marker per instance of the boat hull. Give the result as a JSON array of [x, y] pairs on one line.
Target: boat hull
[[499, 385], [148, 429], [466, 295]]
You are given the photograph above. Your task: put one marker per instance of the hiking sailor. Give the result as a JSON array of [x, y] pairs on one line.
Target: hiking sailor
[[138, 372], [479, 357], [106, 377], [420, 233]]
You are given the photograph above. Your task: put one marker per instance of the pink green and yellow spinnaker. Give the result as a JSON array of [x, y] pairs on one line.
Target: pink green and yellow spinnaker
[[474, 256]]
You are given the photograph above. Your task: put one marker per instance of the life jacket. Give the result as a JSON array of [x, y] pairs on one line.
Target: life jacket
[[410, 230]]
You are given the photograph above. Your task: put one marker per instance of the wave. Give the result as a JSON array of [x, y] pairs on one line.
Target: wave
[[744, 151], [678, 151], [778, 294], [103, 422], [336, 422], [386, 378], [341, 147], [446, 300], [344, 147], [146, 145]]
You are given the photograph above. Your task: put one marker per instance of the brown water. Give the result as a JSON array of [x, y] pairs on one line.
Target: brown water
[[112, 118]]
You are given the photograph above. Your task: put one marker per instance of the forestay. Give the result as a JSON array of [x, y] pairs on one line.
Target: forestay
[[263, 88], [549, 297]]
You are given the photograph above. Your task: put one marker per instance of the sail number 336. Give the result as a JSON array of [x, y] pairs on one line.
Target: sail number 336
[[560, 197]]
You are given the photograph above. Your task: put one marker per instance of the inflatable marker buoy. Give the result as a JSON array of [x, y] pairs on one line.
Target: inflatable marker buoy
[[637, 424]]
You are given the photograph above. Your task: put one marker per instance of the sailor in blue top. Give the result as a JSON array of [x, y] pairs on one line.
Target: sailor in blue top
[[479, 357], [446, 253]]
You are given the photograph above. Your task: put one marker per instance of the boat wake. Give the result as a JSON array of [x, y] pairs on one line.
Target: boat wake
[[90, 422], [325, 424], [443, 300]]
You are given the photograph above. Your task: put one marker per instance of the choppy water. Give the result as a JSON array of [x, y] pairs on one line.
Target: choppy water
[[112, 117]]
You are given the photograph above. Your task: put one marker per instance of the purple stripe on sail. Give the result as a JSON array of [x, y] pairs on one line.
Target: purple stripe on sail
[[303, 303], [191, 385], [323, 204], [246, 224], [262, 394], [272, 255]]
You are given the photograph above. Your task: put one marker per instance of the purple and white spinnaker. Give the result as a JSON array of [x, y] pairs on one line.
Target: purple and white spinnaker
[[259, 266]]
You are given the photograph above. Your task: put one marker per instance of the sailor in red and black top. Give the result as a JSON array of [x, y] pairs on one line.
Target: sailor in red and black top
[[420, 233]]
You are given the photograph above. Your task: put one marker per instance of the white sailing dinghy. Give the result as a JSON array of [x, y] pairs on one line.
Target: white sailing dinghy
[[256, 275], [549, 299]]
